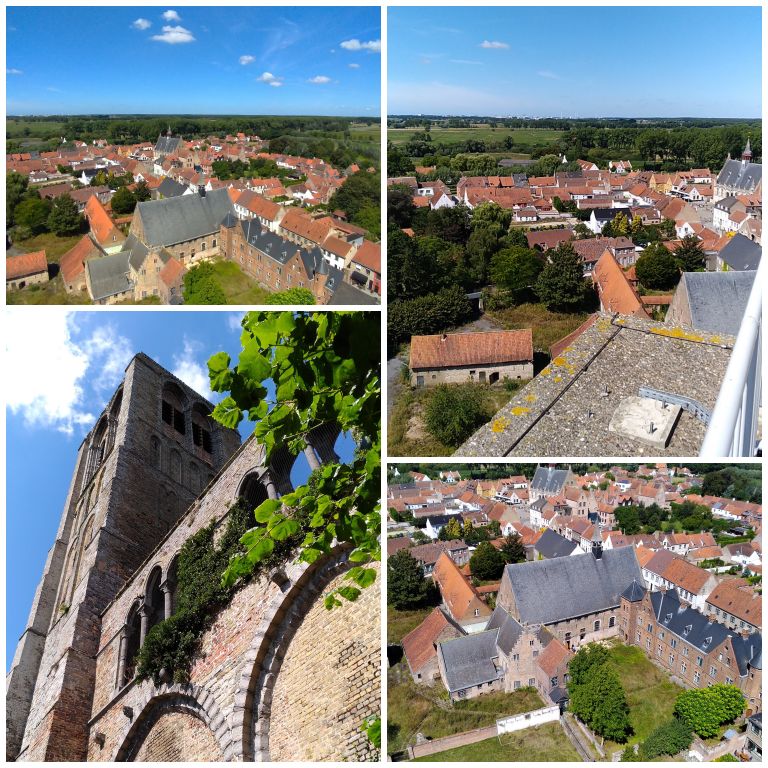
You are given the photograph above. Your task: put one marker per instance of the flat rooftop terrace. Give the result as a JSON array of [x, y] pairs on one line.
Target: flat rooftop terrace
[[566, 410]]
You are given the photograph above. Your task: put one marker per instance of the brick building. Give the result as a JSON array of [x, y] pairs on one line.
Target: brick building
[[155, 470], [692, 647]]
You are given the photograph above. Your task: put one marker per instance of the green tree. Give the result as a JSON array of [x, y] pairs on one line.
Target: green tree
[[451, 531], [561, 284], [588, 657], [454, 413], [64, 218], [669, 738], [406, 586], [600, 701], [706, 709], [656, 268], [142, 192], [123, 201], [516, 270], [628, 519], [324, 370], [291, 296], [486, 562], [690, 256], [16, 185], [32, 214], [513, 549], [201, 286]]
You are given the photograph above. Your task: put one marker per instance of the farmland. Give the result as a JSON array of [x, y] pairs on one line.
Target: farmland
[[521, 137]]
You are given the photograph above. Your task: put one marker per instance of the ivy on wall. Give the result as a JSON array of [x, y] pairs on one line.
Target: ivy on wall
[[171, 645]]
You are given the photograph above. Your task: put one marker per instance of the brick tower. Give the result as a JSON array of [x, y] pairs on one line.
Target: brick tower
[[150, 454]]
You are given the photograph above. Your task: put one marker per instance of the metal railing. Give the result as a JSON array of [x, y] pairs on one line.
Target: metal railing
[[732, 429]]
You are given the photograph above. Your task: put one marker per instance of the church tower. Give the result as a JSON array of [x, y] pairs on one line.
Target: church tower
[[746, 155], [151, 452]]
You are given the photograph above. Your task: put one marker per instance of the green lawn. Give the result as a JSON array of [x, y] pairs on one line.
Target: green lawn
[[650, 694], [53, 245], [40, 129], [544, 743], [407, 412], [414, 708], [400, 623], [238, 287], [547, 327], [522, 137], [52, 292]]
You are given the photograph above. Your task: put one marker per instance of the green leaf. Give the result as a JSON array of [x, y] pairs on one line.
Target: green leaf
[[266, 509], [219, 373], [350, 593], [331, 601], [227, 413], [261, 549], [362, 576], [285, 528], [253, 364]]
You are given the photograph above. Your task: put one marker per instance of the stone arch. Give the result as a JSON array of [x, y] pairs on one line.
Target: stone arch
[[154, 600], [171, 582], [85, 540], [168, 697], [130, 644], [301, 585], [202, 431], [256, 486], [173, 407]]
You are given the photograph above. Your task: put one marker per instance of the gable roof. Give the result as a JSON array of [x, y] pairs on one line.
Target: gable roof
[[717, 300], [419, 644], [736, 596], [25, 264], [548, 591], [102, 227], [552, 544], [741, 176], [167, 145], [463, 349], [187, 217], [170, 188], [72, 263], [549, 479], [468, 661], [741, 253], [616, 292], [108, 275], [457, 593], [369, 255]]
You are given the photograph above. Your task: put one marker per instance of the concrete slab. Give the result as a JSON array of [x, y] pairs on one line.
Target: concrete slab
[[644, 419]]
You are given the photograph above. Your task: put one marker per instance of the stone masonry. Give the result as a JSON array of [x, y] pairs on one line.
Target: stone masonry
[[273, 636]]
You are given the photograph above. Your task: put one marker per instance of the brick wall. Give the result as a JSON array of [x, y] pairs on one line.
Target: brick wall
[[178, 737]]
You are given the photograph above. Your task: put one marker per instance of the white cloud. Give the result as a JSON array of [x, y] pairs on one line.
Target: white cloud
[[374, 46], [141, 24], [270, 79], [319, 80], [354, 66], [171, 16], [234, 321], [247, 59], [549, 75], [174, 35], [190, 370], [13, 71], [493, 44], [53, 363]]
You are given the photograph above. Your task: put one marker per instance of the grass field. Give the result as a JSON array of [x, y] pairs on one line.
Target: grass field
[[52, 292], [522, 137], [53, 245], [650, 694], [412, 708], [407, 435], [38, 129], [238, 287], [547, 327], [544, 743], [400, 623]]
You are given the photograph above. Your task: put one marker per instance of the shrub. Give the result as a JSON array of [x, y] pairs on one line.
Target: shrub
[[454, 413], [705, 710], [668, 739]]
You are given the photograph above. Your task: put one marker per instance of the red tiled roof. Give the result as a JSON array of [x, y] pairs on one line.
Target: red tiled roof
[[369, 255], [462, 349], [102, 226], [25, 264], [553, 656], [616, 292], [72, 263], [171, 273], [419, 644]]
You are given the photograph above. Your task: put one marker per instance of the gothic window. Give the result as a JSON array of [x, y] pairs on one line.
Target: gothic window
[[172, 412], [194, 478], [176, 466], [154, 599], [154, 452], [253, 489], [201, 429], [132, 641], [85, 540]]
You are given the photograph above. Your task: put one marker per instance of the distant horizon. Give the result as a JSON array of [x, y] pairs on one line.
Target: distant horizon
[[117, 115], [467, 115], [572, 61]]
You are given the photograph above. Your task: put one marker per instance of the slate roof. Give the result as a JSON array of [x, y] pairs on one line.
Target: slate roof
[[703, 633], [717, 300], [178, 219], [468, 661], [741, 254], [634, 592], [740, 176], [170, 188], [549, 479], [463, 349], [167, 145], [548, 591], [552, 544], [348, 294], [108, 275]]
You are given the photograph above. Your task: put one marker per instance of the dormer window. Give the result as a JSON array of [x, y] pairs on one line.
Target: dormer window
[[688, 629]]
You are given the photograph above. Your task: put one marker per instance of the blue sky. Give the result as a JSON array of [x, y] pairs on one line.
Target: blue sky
[[209, 60], [66, 366], [578, 62]]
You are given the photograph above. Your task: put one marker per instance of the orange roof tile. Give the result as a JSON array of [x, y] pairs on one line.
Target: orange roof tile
[[72, 263], [616, 292], [369, 255], [738, 598], [171, 273], [457, 593], [462, 349], [102, 226], [419, 644], [553, 656], [25, 264]]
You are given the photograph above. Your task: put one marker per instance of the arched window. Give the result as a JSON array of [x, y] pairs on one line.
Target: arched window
[[131, 641], [201, 429], [155, 452], [176, 465], [173, 405], [85, 540], [254, 488], [171, 580], [194, 478], [154, 599]]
